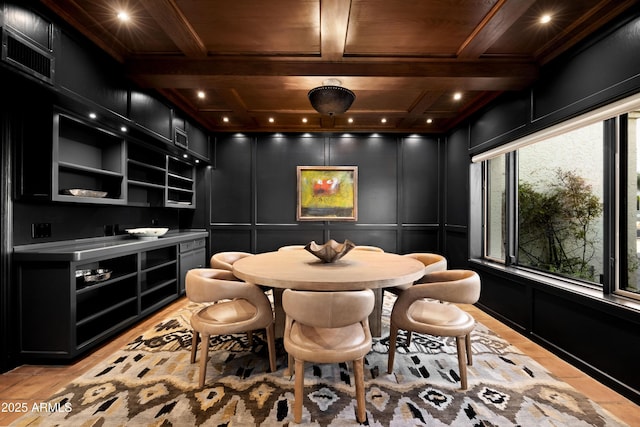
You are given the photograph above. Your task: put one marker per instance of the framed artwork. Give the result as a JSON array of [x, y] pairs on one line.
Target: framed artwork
[[327, 193]]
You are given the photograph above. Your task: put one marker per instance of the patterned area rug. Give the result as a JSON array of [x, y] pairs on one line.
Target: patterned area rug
[[151, 382]]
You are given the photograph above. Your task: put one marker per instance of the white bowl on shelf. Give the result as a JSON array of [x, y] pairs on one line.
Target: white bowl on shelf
[[147, 233]]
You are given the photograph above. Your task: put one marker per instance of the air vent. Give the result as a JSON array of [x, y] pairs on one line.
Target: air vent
[[28, 57]]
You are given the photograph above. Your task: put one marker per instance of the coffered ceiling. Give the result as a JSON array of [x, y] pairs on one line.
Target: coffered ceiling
[[255, 60]]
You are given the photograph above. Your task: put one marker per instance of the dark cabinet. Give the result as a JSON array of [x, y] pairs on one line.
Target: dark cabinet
[[192, 255], [151, 114], [88, 163], [61, 314], [146, 176], [158, 280], [180, 183], [198, 142]]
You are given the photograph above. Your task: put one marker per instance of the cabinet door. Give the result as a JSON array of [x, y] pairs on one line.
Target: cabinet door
[[198, 142], [195, 258], [151, 114]]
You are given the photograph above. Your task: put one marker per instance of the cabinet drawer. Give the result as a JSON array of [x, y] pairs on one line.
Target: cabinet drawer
[[192, 245]]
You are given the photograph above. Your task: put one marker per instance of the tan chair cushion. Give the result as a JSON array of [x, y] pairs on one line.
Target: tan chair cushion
[[434, 318], [238, 306]]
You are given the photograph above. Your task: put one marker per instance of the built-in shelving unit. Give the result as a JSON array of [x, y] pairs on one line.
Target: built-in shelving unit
[[158, 277], [103, 307], [180, 183], [146, 176], [89, 159], [61, 314]]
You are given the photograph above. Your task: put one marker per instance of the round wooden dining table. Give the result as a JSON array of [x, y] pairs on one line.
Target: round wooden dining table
[[299, 269]]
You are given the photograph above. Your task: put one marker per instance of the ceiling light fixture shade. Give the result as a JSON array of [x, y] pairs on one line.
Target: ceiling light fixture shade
[[331, 98]]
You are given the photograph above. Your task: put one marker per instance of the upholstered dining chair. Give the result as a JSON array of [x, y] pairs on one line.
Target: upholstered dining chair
[[236, 307], [225, 260], [327, 327], [418, 310], [432, 262]]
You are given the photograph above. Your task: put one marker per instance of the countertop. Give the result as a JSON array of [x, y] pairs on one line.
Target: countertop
[[99, 247]]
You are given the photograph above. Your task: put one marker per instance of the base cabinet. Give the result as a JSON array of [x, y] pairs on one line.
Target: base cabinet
[[192, 255], [62, 315]]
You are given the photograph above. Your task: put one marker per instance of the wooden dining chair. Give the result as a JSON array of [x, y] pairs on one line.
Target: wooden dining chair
[[429, 307], [235, 307], [327, 327]]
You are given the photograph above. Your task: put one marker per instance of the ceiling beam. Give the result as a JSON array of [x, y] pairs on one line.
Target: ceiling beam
[[334, 18], [147, 66], [500, 18], [169, 17]]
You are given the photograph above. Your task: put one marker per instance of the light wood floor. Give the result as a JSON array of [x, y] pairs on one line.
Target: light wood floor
[[29, 384]]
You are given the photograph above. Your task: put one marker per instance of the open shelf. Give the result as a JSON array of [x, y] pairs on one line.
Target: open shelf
[[86, 158]]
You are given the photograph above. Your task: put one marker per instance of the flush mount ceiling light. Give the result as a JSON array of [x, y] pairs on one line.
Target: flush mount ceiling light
[[331, 98]]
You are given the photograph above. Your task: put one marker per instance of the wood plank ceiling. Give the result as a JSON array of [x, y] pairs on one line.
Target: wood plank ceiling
[[404, 59]]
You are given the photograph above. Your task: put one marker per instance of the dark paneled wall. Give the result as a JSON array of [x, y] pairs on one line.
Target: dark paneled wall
[[254, 191], [598, 333], [596, 73]]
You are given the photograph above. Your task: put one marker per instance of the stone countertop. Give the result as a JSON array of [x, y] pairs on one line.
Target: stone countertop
[[100, 247]]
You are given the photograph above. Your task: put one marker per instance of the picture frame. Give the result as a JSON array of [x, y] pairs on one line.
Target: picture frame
[[327, 193]]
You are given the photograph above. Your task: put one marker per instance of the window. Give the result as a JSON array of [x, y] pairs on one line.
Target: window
[[630, 201], [560, 196], [495, 213], [565, 201]]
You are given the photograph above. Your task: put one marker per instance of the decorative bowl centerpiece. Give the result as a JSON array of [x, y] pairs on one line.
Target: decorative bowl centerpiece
[[147, 233], [330, 251], [81, 192], [93, 276]]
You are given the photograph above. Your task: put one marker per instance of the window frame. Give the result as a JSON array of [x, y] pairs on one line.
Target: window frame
[[614, 199]]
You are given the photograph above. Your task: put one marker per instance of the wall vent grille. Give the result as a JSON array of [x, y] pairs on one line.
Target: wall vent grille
[[27, 57]]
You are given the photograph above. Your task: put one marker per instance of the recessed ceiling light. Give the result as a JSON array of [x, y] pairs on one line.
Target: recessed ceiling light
[[93, 115], [350, 120], [123, 128], [383, 120], [457, 96], [545, 19], [271, 120], [186, 156], [201, 94], [123, 16], [225, 119], [429, 121], [304, 120]]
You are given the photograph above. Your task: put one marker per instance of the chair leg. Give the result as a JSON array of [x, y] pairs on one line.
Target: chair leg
[[408, 342], [290, 365], [358, 375], [462, 365], [393, 334], [194, 345], [271, 344], [469, 352], [298, 391], [204, 355], [250, 338]]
